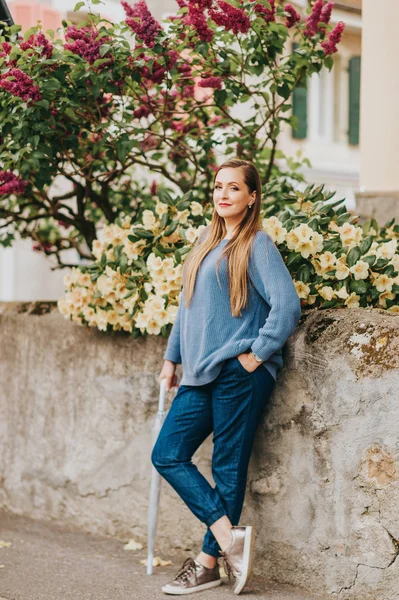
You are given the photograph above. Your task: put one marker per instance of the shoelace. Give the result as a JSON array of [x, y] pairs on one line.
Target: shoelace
[[188, 566], [226, 566]]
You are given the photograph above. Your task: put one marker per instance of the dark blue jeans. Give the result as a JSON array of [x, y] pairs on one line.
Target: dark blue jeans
[[231, 406]]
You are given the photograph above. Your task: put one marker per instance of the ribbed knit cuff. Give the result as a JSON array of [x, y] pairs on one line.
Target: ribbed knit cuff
[[260, 350], [173, 356]]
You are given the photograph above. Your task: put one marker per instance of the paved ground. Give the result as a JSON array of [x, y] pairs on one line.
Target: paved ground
[[47, 561]]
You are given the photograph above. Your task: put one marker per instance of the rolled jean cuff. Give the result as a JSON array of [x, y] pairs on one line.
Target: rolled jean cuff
[[215, 516], [211, 551]]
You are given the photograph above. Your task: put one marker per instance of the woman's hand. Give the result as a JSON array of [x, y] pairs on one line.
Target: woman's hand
[[248, 361], [168, 373]]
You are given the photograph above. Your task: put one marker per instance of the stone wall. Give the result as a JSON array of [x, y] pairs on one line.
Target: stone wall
[[77, 408]]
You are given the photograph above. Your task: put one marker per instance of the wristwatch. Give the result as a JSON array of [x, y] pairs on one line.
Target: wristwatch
[[256, 357]]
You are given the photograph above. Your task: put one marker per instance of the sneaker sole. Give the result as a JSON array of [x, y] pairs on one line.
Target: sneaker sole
[[249, 543], [176, 591]]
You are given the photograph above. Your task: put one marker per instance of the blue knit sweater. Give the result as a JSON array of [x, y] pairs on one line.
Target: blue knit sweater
[[205, 334]]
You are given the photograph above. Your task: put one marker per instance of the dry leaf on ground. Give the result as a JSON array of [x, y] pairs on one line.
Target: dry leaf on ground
[[133, 545], [4, 544]]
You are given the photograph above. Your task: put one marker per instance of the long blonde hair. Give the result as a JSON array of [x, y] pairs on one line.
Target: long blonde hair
[[236, 251]]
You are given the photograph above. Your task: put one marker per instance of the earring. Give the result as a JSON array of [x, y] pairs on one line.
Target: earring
[[249, 205]]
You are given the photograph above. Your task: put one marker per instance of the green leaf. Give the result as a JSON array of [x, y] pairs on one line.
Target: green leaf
[[123, 264], [100, 61], [381, 262], [371, 258], [353, 256], [303, 273], [78, 6], [104, 49], [359, 287], [140, 232], [172, 227], [220, 97], [365, 245]]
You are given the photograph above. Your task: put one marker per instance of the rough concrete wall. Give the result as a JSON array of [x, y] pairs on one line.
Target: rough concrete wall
[[77, 408]]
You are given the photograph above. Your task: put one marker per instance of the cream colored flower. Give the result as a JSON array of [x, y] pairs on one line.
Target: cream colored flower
[[183, 215], [172, 238], [360, 270], [387, 249], [395, 262], [133, 249], [305, 240], [153, 327], [302, 289], [105, 285], [318, 242], [394, 308], [149, 220], [350, 234], [141, 321], [161, 208], [196, 209], [341, 270], [352, 301], [97, 248], [274, 227], [327, 260], [154, 263], [63, 307], [311, 299], [292, 239], [172, 312], [342, 293], [382, 299], [191, 234], [383, 283], [327, 292], [101, 320]]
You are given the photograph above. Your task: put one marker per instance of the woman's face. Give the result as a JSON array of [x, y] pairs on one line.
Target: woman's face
[[231, 195]]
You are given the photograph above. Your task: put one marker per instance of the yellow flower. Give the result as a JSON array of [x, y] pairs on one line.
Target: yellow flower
[[395, 262], [342, 293], [149, 220], [161, 208], [191, 234], [183, 215], [196, 209], [302, 289], [341, 270], [352, 301], [327, 292], [383, 283], [382, 299], [97, 248], [387, 249], [360, 269], [350, 234], [327, 260], [274, 227]]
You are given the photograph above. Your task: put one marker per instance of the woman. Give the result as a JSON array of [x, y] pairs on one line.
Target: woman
[[237, 308]]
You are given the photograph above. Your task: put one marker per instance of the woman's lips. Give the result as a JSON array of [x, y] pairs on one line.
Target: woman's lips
[[224, 204]]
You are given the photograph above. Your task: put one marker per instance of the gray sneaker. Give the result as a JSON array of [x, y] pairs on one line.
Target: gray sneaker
[[193, 577], [238, 557]]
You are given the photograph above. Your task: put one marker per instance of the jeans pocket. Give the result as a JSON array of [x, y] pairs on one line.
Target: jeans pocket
[[239, 366]]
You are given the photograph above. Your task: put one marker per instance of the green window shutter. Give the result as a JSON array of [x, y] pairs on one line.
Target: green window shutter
[[300, 106], [354, 99]]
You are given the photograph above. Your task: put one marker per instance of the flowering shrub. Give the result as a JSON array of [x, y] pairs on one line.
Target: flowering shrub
[[134, 284], [110, 114]]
